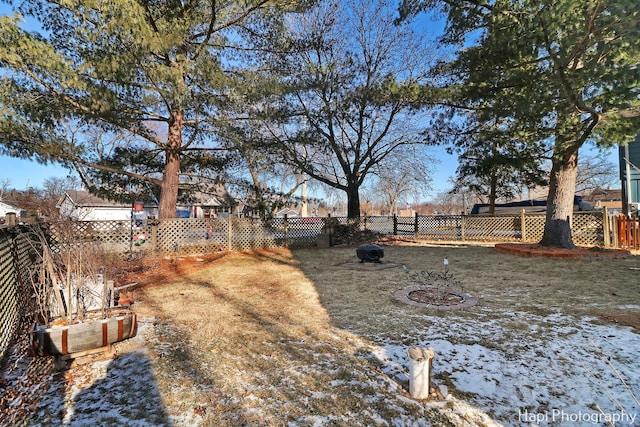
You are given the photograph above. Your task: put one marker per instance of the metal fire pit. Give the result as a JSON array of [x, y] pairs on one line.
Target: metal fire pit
[[369, 252]]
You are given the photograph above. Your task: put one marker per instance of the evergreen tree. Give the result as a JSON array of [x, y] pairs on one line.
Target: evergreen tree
[[564, 72], [130, 92], [492, 164]]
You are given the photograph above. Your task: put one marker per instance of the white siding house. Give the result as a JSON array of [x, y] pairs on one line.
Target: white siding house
[[82, 206], [6, 208]]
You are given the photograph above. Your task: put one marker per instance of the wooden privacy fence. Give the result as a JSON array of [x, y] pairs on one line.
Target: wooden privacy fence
[[627, 232]]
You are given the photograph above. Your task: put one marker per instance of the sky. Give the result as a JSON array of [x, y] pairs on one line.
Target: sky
[[22, 174]]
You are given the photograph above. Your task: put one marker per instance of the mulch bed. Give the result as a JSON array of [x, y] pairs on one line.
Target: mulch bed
[[151, 270], [579, 252]]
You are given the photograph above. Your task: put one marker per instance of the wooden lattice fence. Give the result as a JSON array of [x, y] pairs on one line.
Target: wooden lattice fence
[[17, 255], [200, 235], [588, 228], [9, 313]]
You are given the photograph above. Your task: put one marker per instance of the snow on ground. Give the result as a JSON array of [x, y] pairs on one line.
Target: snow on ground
[[501, 369], [560, 371]]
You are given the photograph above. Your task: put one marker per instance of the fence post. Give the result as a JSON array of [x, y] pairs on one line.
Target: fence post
[[395, 224], [10, 219], [616, 238], [415, 226], [229, 232], [286, 230], [154, 236], [462, 227], [523, 226], [605, 227]]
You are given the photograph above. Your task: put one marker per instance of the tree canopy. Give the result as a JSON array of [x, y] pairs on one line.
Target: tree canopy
[[342, 77], [564, 73], [132, 93]]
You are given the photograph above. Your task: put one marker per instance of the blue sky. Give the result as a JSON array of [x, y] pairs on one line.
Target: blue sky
[[22, 174]]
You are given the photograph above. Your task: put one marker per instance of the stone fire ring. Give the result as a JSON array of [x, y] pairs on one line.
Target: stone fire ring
[[466, 300]]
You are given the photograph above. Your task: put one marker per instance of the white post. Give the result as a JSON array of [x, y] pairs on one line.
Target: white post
[[419, 371], [627, 171], [303, 190]]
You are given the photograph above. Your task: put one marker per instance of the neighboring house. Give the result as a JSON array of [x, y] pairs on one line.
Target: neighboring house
[[216, 203], [601, 198], [6, 208], [83, 206], [205, 207], [290, 213]]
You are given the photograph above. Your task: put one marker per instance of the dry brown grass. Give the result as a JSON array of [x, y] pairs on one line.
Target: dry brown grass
[[277, 337], [248, 339]]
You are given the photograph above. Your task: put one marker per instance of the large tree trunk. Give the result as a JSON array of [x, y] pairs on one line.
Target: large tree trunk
[[353, 202], [171, 172], [562, 188]]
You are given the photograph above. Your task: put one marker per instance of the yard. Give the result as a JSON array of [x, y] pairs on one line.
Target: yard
[[312, 338]]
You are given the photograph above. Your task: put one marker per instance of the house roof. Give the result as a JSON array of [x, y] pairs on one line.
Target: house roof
[[8, 207], [605, 194], [80, 198], [85, 199], [214, 195]]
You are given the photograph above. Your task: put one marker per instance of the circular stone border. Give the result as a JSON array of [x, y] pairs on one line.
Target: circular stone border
[[402, 295]]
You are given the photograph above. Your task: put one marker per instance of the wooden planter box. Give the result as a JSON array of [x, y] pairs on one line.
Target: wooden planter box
[[84, 338]]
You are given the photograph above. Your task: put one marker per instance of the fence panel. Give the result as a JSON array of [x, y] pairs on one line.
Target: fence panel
[[16, 259], [378, 224], [440, 227], [492, 228], [628, 232], [186, 235], [9, 308], [534, 227], [253, 234], [587, 229]]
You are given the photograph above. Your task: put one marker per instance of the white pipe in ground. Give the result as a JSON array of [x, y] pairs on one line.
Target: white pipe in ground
[[419, 371]]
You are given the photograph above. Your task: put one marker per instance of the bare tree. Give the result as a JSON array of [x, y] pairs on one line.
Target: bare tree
[[406, 171], [594, 172], [348, 75]]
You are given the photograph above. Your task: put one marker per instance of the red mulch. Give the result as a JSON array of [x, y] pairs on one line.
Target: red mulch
[[151, 270], [579, 252]]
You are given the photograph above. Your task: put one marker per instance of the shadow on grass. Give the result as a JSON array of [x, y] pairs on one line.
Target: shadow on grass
[[127, 394]]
